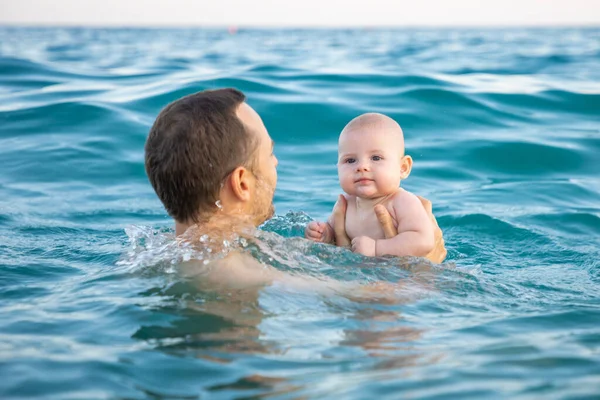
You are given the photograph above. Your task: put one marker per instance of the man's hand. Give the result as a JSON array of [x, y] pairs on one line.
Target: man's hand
[[438, 254], [385, 220], [317, 231], [339, 222], [364, 245]]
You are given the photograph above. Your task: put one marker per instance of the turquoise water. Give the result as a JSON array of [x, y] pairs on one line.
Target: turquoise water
[[504, 129]]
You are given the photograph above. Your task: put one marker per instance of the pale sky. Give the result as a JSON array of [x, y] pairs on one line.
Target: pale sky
[[325, 13]]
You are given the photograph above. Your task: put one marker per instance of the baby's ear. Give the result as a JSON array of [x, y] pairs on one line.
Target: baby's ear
[[405, 166]]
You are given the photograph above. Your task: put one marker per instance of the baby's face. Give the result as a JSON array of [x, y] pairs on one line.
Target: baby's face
[[369, 162]]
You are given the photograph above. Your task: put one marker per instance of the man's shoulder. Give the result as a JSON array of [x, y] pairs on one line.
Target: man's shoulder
[[237, 270]]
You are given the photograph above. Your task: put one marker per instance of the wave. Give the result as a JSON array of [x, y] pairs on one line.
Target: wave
[[503, 129]]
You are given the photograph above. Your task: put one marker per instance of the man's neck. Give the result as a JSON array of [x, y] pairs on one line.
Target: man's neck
[[181, 227]]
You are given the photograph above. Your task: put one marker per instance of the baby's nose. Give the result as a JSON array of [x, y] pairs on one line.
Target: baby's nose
[[362, 166]]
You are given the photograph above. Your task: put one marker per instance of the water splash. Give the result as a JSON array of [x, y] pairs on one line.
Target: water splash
[[279, 245], [151, 248]]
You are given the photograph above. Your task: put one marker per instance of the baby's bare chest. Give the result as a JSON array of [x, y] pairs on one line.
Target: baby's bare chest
[[363, 223]]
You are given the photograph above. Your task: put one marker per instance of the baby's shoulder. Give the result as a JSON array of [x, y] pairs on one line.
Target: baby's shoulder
[[403, 200]]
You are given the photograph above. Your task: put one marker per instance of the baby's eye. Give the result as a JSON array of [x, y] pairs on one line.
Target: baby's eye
[[350, 160], [376, 158]]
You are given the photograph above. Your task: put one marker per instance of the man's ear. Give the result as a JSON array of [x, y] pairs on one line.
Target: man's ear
[[240, 182], [405, 166]]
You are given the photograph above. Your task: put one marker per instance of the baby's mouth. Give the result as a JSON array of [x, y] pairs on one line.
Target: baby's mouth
[[363, 181]]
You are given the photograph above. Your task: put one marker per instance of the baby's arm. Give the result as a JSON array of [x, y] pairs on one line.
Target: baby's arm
[[320, 232], [415, 230]]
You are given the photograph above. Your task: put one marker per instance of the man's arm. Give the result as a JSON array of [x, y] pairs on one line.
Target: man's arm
[[242, 271]]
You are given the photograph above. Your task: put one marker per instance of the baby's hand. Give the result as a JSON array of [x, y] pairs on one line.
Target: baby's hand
[[316, 231], [364, 245]]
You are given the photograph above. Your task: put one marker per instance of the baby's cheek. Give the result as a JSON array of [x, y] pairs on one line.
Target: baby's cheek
[[346, 185]]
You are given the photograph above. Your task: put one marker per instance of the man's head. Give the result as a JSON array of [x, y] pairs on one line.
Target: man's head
[[210, 152], [371, 160]]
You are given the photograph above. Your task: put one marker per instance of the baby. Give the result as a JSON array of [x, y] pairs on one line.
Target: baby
[[371, 164]]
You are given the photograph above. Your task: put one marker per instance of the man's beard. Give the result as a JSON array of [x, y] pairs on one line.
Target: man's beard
[[263, 201]]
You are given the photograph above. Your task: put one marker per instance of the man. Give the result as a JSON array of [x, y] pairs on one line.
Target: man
[[210, 160]]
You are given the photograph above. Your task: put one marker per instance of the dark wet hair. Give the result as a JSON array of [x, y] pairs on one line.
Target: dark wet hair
[[194, 144]]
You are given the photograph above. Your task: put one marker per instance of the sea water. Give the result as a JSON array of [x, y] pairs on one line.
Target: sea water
[[504, 129]]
